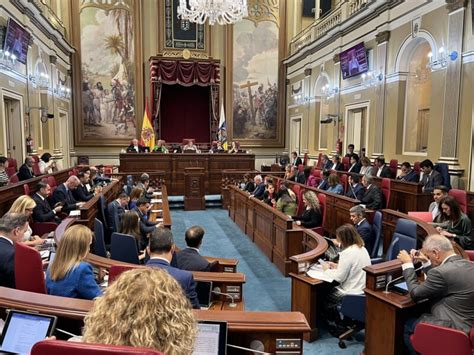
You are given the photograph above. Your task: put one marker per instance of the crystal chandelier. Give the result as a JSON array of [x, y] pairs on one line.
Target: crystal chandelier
[[223, 12]]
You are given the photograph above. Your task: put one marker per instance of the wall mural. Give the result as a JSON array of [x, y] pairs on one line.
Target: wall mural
[[108, 71], [255, 75]]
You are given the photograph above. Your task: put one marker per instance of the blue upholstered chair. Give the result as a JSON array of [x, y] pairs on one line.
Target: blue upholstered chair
[[353, 307], [405, 231], [443, 169], [124, 248], [99, 241], [377, 228]]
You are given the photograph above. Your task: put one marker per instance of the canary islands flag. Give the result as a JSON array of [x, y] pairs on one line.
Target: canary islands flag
[[148, 132], [222, 129]]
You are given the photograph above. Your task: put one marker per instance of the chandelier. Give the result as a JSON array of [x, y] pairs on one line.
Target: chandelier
[[223, 12]]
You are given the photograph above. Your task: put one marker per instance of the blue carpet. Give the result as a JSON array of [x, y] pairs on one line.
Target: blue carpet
[[266, 289]]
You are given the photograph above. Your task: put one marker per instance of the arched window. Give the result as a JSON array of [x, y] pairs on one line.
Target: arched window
[[417, 100], [321, 83]]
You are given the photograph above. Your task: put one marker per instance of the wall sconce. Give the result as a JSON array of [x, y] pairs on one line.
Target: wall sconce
[[7, 60], [371, 79], [441, 61], [63, 92], [328, 92], [43, 111]]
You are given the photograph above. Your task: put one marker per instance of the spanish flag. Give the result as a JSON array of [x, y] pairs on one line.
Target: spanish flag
[[148, 132]]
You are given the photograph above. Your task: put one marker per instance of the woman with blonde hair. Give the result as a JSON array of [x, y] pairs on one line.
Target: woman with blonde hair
[[366, 166], [143, 307], [69, 275], [25, 204], [311, 216]]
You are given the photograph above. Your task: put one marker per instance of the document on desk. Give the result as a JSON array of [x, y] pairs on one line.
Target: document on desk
[[75, 213], [317, 272], [157, 193], [156, 200], [156, 211]]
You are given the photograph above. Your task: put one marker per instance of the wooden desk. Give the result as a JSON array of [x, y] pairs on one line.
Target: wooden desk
[[408, 196], [270, 328], [173, 165], [269, 228], [164, 207], [304, 289], [386, 314], [10, 193]]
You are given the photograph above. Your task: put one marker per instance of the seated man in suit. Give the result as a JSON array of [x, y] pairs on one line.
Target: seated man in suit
[[326, 164], [146, 226], [189, 258], [259, 187], [26, 170], [115, 211], [161, 250], [295, 159], [135, 147], [355, 164], [324, 184], [63, 195], [144, 184], [373, 197], [449, 286], [431, 177], [408, 174], [357, 215], [43, 211], [382, 170], [439, 192], [355, 189], [81, 193], [97, 177], [12, 229], [336, 163]]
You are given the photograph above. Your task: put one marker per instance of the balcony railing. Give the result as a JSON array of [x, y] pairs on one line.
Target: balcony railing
[[320, 27]]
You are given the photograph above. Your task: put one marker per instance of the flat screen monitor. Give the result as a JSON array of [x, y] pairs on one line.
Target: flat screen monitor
[[211, 338], [17, 40], [354, 61]]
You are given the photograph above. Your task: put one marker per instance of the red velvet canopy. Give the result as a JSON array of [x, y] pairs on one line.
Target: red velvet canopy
[[205, 73]]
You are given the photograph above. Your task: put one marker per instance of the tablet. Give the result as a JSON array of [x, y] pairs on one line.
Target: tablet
[[211, 338], [401, 287], [22, 330]]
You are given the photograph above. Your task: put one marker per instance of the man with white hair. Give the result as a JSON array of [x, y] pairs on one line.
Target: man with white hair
[[449, 285], [63, 195], [259, 187]]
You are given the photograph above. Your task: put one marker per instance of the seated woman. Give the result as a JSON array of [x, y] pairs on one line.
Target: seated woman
[[4, 179], [234, 147], [248, 184], [69, 275], [366, 166], [46, 165], [288, 172], [334, 186], [311, 216], [25, 204], [348, 272], [143, 307], [190, 147], [136, 193], [269, 196], [286, 203], [160, 147], [455, 224], [131, 226]]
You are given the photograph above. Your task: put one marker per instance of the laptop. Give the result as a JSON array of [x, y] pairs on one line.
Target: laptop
[[211, 338], [204, 293]]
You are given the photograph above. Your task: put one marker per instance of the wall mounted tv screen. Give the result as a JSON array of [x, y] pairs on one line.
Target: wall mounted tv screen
[[17, 40], [354, 61]]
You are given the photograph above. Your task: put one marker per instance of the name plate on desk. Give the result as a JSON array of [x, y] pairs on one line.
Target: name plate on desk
[[156, 211], [157, 193], [75, 213], [156, 200]]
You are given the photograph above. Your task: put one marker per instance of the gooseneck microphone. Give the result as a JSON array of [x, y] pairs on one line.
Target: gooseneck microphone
[[398, 279], [217, 291]]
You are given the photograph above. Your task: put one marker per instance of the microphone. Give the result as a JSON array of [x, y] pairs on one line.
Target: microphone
[[398, 279], [255, 351], [217, 291]]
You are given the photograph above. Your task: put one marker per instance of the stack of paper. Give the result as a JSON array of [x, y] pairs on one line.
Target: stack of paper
[[75, 213], [157, 193], [156, 200], [317, 272]]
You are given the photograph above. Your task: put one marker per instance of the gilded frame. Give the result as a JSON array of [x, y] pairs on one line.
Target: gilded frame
[[79, 139], [279, 141]]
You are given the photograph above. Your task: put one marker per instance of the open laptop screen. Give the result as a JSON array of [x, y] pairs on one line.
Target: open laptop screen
[[211, 338]]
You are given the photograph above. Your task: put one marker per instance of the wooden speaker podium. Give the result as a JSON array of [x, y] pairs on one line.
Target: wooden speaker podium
[[194, 189]]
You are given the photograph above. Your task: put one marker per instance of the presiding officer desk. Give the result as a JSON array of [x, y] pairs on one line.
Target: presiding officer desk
[[272, 329], [174, 164]]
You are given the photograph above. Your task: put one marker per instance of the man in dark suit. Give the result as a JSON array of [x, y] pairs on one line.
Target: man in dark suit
[[350, 152], [355, 189], [81, 193], [324, 184], [26, 170], [259, 187], [373, 197], [336, 163], [326, 164], [63, 195], [161, 250], [295, 159], [408, 174], [146, 226], [431, 177], [449, 285], [382, 170], [43, 211], [355, 164], [189, 258], [364, 228], [115, 211], [12, 229], [135, 147]]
